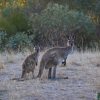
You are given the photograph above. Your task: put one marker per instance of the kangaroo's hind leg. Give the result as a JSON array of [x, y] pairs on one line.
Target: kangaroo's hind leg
[[54, 72], [49, 73], [23, 73], [33, 72]]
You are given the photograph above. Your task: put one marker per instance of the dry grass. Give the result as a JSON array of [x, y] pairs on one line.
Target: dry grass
[[82, 70], [85, 58], [2, 66]]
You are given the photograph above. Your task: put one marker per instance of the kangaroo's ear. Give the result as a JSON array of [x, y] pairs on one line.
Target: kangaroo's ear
[[73, 37], [67, 37]]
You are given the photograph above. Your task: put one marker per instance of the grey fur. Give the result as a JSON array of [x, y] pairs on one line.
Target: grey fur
[[30, 62], [54, 56]]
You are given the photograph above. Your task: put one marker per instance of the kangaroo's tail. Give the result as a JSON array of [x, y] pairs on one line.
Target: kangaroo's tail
[[42, 65]]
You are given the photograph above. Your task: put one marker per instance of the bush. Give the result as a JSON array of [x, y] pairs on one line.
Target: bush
[[56, 21], [19, 41], [19, 21], [7, 25], [26, 7], [15, 23], [3, 39]]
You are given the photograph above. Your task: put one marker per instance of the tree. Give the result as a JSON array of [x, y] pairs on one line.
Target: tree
[[79, 5], [13, 24], [56, 21]]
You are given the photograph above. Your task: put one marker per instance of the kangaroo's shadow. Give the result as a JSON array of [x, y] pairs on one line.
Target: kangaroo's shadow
[[41, 79]]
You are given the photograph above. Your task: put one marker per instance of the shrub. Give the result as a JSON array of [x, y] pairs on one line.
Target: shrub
[[3, 39], [15, 23], [7, 25], [53, 23], [19, 21], [19, 41]]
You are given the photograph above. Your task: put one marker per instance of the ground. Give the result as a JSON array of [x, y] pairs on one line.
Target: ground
[[83, 83]]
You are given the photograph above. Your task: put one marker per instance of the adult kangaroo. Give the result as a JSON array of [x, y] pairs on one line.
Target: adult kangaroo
[[54, 56]]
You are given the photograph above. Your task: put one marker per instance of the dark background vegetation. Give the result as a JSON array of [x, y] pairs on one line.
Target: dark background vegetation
[[24, 23]]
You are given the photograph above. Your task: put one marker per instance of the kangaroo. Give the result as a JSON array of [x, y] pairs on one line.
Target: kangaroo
[[64, 61], [54, 56], [30, 62]]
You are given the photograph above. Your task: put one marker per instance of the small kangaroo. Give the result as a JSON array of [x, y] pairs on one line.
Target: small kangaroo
[[54, 56], [30, 62]]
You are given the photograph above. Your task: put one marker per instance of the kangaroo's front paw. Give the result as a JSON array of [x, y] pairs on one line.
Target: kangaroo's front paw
[[64, 63]]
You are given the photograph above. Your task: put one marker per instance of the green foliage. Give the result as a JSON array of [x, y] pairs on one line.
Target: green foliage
[[3, 39], [15, 23], [26, 8], [8, 26], [7, 11], [49, 22], [20, 39], [19, 21], [54, 22], [11, 7], [97, 8], [97, 12], [79, 5], [59, 18]]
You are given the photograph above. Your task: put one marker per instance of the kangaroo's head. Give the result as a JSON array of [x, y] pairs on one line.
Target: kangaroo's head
[[37, 49], [70, 40]]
